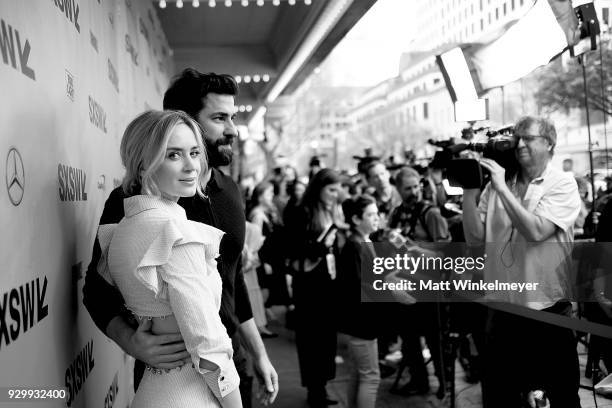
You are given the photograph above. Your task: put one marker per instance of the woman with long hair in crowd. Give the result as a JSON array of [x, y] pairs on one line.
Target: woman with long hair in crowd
[[356, 317], [164, 265], [312, 231], [263, 214]]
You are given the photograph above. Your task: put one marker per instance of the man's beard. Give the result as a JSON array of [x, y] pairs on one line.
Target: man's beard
[[220, 152]]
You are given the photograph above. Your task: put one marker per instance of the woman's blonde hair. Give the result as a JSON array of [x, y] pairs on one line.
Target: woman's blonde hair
[[143, 149]]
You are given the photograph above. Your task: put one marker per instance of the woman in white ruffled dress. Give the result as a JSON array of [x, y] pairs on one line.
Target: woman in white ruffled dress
[[164, 265]]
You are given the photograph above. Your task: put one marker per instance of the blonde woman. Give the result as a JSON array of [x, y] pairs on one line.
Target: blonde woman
[[164, 265]]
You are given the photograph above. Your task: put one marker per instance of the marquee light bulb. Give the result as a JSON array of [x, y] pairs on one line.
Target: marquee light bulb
[[228, 3], [260, 3], [308, 2], [266, 77], [256, 78], [212, 3], [162, 3], [196, 3], [276, 2], [238, 79], [291, 2], [245, 3], [249, 108], [179, 3], [247, 79]]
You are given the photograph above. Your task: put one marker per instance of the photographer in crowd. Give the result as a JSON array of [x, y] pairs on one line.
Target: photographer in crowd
[[526, 223]]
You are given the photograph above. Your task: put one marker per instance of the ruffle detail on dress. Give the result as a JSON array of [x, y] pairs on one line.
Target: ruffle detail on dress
[[174, 233], [105, 235]]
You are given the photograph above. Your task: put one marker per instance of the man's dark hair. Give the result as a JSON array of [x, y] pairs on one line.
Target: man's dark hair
[[188, 89], [355, 207]]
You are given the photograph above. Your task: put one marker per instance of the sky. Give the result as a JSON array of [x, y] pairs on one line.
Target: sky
[[370, 52]]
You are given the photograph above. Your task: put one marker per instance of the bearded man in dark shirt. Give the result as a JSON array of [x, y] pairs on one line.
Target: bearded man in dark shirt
[[209, 99]]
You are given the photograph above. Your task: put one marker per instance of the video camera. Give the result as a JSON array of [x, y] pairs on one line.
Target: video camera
[[467, 172]]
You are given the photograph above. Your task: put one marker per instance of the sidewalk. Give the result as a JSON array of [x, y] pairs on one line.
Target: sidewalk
[[292, 395]]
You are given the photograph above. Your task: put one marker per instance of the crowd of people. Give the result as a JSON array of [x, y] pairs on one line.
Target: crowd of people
[[186, 266]]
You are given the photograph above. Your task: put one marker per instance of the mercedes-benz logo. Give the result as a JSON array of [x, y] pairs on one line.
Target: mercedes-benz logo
[[15, 176]]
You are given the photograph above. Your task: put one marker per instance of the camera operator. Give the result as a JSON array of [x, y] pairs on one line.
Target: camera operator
[[534, 210]]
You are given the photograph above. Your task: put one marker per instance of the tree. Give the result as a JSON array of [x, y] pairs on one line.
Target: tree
[[561, 86]]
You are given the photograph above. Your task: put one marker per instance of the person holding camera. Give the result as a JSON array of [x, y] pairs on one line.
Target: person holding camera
[[526, 224]]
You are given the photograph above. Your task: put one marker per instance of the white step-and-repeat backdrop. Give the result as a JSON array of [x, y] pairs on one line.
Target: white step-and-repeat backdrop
[[73, 73]]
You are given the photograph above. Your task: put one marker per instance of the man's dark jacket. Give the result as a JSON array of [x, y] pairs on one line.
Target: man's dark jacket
[[222, 209]]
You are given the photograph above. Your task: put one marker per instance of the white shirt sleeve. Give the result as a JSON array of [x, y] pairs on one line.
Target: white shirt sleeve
[[195, 304], [560, 204]]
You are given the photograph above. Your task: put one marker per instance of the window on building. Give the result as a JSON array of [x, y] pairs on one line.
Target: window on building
[[472, 9], [512, 5], [605, 15], [481, 24], [436, 81], [472, 28], [505, 9], [489, 18], [480, 5], [414, 112], [522, 1], [425, 111], [496, 13]]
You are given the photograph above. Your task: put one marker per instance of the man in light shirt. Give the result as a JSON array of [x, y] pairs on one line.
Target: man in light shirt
[[526, 224]]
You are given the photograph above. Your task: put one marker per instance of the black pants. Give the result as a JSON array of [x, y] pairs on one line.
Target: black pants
[[242, 366], [315, 329], [522, 355]]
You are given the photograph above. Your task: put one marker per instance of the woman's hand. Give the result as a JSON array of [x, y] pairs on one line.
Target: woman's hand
[[330, 239]]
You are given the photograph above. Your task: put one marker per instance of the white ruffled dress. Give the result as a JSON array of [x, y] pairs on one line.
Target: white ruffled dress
[[164, 265]]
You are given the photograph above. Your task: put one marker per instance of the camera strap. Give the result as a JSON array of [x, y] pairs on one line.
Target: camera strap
[[418, 214]]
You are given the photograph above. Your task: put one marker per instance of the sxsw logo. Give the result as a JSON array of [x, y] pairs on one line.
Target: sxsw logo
[[93, 41], [70, 9], [129, 47], [69, 85], [72, 182], [112, 75], [9, 38], [97, 115]]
